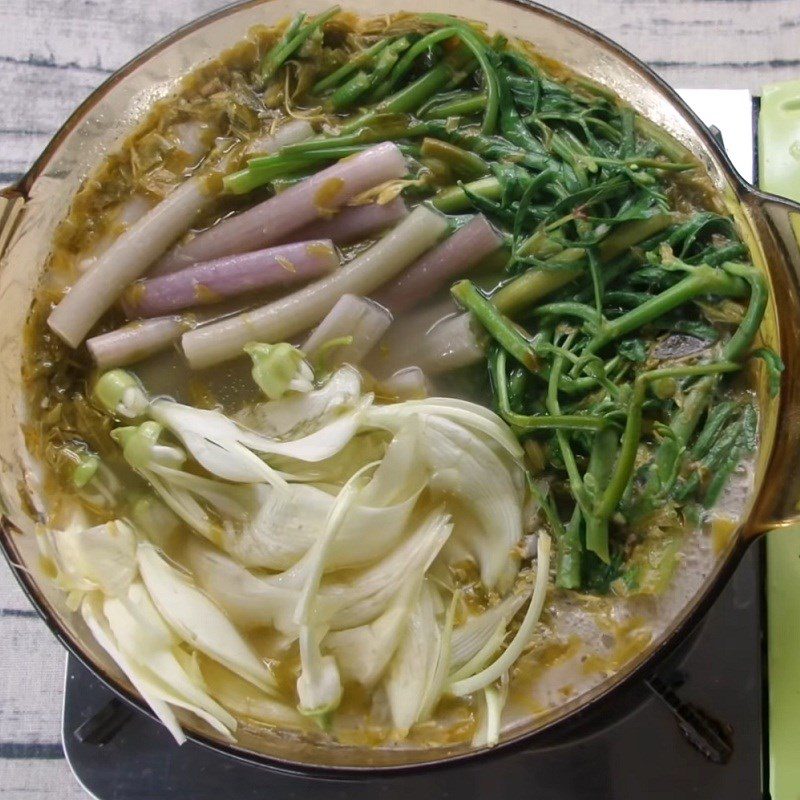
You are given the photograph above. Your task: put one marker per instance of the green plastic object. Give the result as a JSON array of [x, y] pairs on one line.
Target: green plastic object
[[779, 169]]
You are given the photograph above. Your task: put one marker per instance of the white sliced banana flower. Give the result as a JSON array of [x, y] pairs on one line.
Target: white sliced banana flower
[[315, 560], [368, 592], [183, 492], [301, 414], [463, 465], [99, 567], [142, 680], [250, 601], [144, 647], [151, 645], [473, 455], [363, 653], [155, 519], [198, 620], [102, 488], [282, 529], [498, 563], [289, 521], [253, 601], [437, 684], [324, 489], [245, 701], [413, 666], [453, 553], [367, 445], [494, 700], [489, 674], [468, 415], [101, 558], [228, 450], [319, 685], [191, 497], [303, 382], [479, 638], [217, 443]]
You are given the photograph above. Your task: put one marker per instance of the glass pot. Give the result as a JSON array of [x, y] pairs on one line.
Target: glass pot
[[30, 211]]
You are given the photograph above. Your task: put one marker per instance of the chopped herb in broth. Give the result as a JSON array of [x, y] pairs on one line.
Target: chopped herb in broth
[[389, 381]]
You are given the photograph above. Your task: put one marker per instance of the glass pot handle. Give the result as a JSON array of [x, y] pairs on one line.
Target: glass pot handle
[[784, 215], [778, 504], [12, 201]]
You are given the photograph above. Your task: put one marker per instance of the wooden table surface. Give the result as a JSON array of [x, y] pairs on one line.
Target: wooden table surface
[[53, 53]]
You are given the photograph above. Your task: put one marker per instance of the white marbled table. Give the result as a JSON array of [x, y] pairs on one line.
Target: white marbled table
[[54, 52]]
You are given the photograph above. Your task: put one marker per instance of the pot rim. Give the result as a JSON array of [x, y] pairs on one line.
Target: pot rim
[[691, 617]]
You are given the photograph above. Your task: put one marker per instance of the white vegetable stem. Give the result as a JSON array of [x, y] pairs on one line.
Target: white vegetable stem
[[128, 213], [450, 344], [126, 259], [408, 383], [296, 130], [143, 338], [357, 318], [129, 256], [320, 195], [299, 311], [400, 344], [462, 251], [135, 341], [435, 338], [211, 281]]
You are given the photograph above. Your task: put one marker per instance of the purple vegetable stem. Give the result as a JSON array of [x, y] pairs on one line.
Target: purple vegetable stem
[[209, 282], [135, 341], [462, 251], [353, 223], [270, 222]]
